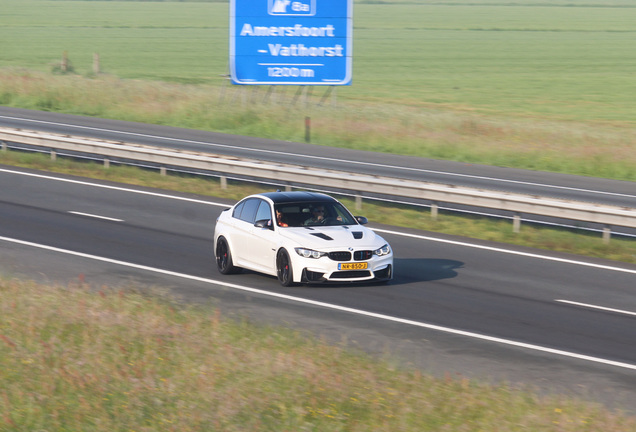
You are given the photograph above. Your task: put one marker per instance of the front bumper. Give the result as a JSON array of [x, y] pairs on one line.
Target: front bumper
[[382, 271]]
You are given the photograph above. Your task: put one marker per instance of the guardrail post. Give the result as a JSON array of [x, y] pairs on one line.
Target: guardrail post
[[53, 155], [607, 234], [434, 210], [516, 223], [4, 146], [358, 202], [162, 171], [288, 188], [223, 182], [106, 163]]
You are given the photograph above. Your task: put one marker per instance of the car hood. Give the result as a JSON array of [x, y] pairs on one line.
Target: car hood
[[334, 237]]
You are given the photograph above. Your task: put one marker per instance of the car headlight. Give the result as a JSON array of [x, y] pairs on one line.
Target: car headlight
[[309, 253], [384, 250]]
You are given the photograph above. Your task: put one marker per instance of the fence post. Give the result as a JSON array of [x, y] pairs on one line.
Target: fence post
[[64, 64], [96, 68]]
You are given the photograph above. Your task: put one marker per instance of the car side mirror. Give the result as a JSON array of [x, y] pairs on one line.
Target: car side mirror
[[264, 223], [362, 220]]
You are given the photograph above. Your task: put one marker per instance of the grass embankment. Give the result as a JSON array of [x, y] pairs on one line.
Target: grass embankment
[[562, 240], [75, 359], [598, 150]]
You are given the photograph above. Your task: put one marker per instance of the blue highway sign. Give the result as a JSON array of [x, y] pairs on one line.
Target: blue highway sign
[[293, 42]]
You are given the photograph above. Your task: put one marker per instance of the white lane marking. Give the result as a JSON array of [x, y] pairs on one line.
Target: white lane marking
[[458, 243], [117, 188], [209, 144], [333, 307], [96, 216], [603, 308], [509, 251]]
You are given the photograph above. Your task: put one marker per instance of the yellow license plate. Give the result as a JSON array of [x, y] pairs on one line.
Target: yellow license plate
[[353, 266]]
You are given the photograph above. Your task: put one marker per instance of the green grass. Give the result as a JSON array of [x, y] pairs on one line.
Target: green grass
[[140, 40], [522, 58], [557, 62], [512, 83], [538, 144], [116, 360]]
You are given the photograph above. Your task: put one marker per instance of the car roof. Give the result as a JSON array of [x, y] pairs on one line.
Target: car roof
[[289, 197]]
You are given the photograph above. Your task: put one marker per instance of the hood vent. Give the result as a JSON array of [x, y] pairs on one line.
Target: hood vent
[[357, 234], [322, 236]]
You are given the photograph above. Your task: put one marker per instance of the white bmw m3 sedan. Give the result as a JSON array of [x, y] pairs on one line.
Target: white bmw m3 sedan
[[300, 237]]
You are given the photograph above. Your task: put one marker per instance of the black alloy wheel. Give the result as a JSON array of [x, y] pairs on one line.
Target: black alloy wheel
[[284, 268], [224, 257]]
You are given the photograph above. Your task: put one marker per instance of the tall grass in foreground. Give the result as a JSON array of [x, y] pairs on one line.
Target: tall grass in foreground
[[598, 150], [562, 240], [115, 360]]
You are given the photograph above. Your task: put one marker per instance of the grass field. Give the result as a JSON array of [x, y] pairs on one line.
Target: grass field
[[525, 58], [515, 83], [78, 360]]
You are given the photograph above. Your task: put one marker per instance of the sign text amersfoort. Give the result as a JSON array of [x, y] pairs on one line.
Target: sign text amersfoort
[[304, 42]]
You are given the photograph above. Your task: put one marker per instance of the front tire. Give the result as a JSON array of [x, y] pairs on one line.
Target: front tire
[[284, 268], [224, 257]]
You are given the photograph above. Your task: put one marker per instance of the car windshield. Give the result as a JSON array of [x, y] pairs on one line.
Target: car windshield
[[313, 214]]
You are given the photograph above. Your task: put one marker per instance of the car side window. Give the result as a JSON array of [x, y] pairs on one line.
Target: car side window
[[263, 212], [238, 209], [249, 210]]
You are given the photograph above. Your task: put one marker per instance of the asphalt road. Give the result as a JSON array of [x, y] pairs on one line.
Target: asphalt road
[[561, 323]]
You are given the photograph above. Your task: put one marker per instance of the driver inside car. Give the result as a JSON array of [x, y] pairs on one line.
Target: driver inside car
[[317, 216]]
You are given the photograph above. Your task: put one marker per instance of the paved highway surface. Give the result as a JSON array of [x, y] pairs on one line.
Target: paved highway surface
[[560, 323]]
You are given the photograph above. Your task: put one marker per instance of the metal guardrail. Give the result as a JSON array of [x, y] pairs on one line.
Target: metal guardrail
[[605, 215]]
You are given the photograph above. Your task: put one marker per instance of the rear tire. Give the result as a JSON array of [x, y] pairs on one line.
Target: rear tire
[[224, 257], [284, 268]]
